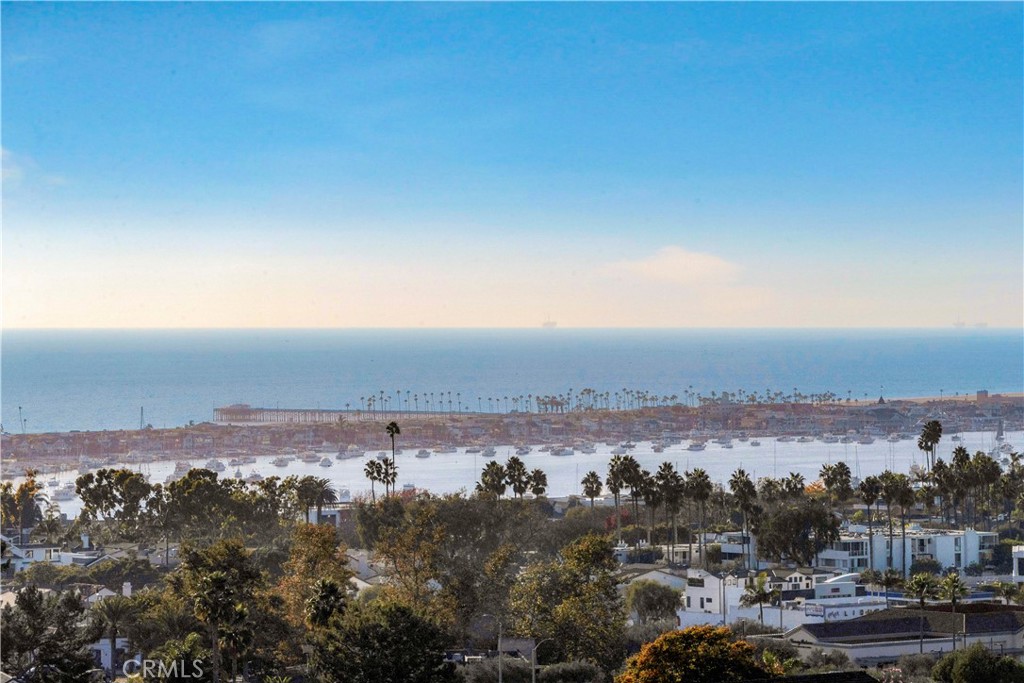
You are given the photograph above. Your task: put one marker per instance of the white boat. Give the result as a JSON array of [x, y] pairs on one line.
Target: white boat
[[235, 462], [489, 452], [696, 446], [618, 450], [829, 438], [382, 456], [472, 449], [523, 450], [805, 439], [408, 488], [53, 483], [893, 438], [588, 449], [248, 460], [727, 444], [446, 449], [344, 495], [65, 492], [755, 442], [423, 453], [866, 440], [562, 450], [785, 438], [253, 478], [280, 462], [310, 457], [215, 465], [326, 462], [238, 474]]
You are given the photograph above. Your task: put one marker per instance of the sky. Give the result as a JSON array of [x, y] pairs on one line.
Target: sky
[[499, 165]]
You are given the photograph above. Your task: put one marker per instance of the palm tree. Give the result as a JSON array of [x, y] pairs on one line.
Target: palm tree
[[890, 579], [652, 499], [905, 498], [388, 475], [869, 490], [492, 479], [325, 495], [700, 488], [953, 588], [1004, 590], [213, 606], [758, 593], [929, 439], [922, 587], [615, 482], [890, 492], [327, 598], [374, 471], [113, 614], [306, 492], [592, 486], [672, 487], [538, 482], [633, 478], [517, 476], [745, 493], [393, 430]]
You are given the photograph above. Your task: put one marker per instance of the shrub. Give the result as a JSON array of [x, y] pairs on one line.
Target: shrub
[[925, 566], [571, 672], [973, 569], [826, 661]]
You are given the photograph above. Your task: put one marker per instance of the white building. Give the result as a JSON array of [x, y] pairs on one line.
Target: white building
[[949, 547], [1018, 563]]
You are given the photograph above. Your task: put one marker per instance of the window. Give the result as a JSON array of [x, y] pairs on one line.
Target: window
[[688, 601]]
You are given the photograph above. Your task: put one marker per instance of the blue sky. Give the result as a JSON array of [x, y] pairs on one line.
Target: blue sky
[[458, 165]]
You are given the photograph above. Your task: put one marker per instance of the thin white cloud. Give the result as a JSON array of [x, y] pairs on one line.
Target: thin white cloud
[[12, 170], [676, 265]]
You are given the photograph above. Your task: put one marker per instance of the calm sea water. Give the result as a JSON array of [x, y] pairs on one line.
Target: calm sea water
[[88, 380]]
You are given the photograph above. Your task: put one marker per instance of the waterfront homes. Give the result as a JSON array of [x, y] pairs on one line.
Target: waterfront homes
[[949, 547], [886, 635]]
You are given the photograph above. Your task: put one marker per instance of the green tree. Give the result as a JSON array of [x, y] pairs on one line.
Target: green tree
[[374, 471], [615, 483], [592, 486], [977, 663], [931, 434], [745, 494], [393, 430], [699, 487], [890, 580], [538, 482], [384, 642], [758, 592], [573, 599], [953, 588], [492, 480], [698, 654], [517, 477], [922, 587], [652, 601], [47, 631], [114, 614], [324, 494]]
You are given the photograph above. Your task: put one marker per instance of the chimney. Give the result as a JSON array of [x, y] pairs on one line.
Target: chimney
[[126, 589]]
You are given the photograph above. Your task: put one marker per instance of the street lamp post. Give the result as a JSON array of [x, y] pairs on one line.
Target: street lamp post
[[500, 678], [533, 660]]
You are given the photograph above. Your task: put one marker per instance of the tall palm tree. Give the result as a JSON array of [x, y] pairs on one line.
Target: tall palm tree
[[890, 492], [869, 490], [389, 475], [633, 478], [393, 430], [492, 479], [652, 499], [1004, 590], [615, 482], [305, 492], [325, 495], [517, 476], [905, 498], [700, 488], [922, 587], [890, 579], [374, 471], [952, 588], [759, 593], [672, 487], [745, 493], [113, 614], [538, 482], [929, 439], [214, 606], [592, 486]]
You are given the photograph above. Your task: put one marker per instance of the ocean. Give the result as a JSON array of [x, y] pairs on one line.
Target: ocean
[[100, 379]]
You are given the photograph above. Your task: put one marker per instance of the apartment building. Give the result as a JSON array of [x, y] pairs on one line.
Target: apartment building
[[949, 547]]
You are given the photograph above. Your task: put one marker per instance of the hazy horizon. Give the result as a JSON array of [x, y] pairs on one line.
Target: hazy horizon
[[609, 166]]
